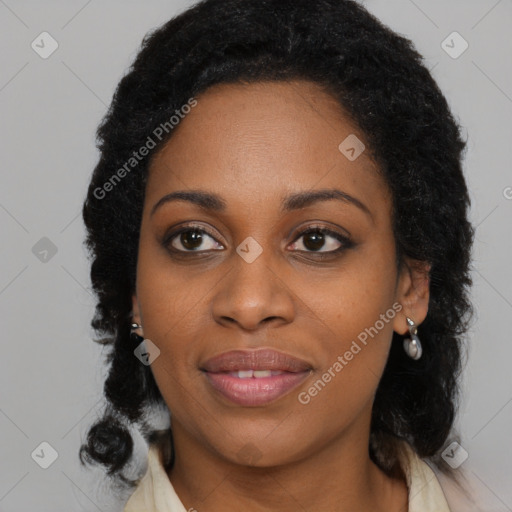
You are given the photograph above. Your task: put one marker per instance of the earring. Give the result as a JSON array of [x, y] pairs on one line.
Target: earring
[[412, 345], [135, 338]]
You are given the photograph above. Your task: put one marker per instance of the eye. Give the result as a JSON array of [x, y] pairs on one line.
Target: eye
[[321, 240], [191, 239], [317, 239]]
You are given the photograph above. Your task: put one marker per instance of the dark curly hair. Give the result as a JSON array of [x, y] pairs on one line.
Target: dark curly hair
[[380, 81]]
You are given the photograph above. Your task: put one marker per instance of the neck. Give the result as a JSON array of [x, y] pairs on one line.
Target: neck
[[339, 476]]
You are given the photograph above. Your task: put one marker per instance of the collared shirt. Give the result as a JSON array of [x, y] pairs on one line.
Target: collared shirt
[[155, 492]]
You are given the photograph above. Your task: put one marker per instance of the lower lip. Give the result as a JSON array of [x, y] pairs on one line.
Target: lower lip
[[255, 391]]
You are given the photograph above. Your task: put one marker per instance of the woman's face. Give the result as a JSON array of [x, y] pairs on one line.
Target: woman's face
[[246, 277]]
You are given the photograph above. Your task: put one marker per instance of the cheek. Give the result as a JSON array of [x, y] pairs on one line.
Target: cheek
[[170, 310], [352, 363], [169, 296], [354, 307], [352, 297]]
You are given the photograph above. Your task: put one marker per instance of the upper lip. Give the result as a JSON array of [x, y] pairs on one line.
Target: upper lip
[[261, 359]]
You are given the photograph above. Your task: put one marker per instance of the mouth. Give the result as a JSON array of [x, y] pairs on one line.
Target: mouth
[[255, 378]]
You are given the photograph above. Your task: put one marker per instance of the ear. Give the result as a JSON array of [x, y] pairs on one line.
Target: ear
[[136, 316], [413, 293]]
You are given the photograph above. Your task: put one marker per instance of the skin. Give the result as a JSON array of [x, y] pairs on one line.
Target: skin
[[253, 144]]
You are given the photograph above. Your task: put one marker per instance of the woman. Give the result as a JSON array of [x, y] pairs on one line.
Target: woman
[[280, 243]]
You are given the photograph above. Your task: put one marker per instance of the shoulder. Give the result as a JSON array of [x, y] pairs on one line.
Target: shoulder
[[154, 492], [430, 487], [425, 491], [463, 497]]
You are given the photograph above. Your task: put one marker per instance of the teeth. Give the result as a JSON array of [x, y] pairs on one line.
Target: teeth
[[262, 373], [247, 374]]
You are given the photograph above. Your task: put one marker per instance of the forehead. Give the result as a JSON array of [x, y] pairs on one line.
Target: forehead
[[254, 142]]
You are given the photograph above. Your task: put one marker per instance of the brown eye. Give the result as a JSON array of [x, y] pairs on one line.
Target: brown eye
[[314, 241], [321, 240], [191, 240]]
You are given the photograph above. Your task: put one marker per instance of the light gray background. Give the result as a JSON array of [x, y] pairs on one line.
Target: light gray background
[[51, 371]]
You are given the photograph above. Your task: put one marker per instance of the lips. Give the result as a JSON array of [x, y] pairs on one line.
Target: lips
[[262, 359], [255, 378]]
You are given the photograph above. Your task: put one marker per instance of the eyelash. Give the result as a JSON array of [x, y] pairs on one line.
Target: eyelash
[[345, 242]]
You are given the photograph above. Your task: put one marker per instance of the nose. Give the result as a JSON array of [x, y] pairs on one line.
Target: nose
[[253, 294]]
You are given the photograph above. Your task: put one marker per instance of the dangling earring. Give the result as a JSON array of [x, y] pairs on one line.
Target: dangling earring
[[412, 345], [135, 338]]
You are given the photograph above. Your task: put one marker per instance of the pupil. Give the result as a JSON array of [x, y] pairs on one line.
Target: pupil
[[189, 238], [317, 239]]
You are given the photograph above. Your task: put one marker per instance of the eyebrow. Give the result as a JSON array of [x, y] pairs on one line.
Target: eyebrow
[[295, 201]]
